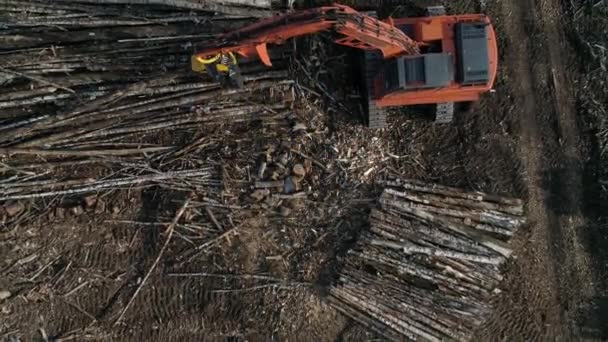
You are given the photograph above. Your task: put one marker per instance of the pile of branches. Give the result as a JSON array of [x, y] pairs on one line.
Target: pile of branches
[[131, 135], [99, 95], [430, 262], [55, 55], [21, 188], [167, 102], [255, 8]]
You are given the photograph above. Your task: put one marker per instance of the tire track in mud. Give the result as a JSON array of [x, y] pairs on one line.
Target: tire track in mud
[[551, 262], [515, 316], [142, 254], [525, 287], [575, 283]]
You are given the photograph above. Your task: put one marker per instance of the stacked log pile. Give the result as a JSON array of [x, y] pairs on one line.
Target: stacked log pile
[[74, 50], [430, 262], [99, 95], [75, 71], [58, 55]]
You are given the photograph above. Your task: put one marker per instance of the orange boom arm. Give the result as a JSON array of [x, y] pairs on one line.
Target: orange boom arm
[[355, 29]]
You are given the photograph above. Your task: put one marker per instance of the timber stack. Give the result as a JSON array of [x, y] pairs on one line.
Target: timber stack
[[80, 74], [98, 87], [430, 262]]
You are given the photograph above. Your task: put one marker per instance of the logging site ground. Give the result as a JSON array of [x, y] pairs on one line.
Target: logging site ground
[[179, 210]]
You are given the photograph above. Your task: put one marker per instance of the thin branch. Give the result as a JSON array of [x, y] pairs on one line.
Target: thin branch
[[169, 231], [37, 79], [225, 276], [287, 286], [316, 162], [117, 152]]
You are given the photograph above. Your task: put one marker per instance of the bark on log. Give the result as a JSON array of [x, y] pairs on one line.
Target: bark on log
[[100, 185], [405, 227], [410, 248], [453, 192], [483, 216], [490, 242], [208, 6]]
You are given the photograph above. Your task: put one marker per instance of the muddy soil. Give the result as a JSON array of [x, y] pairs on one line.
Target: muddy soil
[[551, 279]]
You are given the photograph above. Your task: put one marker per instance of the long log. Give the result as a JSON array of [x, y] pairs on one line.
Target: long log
[[425, 320], [207, 6], [172, 102], [483, 216], [152, 87], [418, 271], [410, 184], [192, 5], [441, 306], [447, 320], [96, 152], [458, 203], [404, 227], [355, 313], [380, 314]]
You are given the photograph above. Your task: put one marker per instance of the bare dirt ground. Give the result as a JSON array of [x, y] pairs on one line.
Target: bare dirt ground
[[70, 277], [553, 151]]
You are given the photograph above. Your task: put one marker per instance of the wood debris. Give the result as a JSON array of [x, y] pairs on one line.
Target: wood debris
[[4, 294], [281, 176], [430, 263], [24, 190], [97, 95]]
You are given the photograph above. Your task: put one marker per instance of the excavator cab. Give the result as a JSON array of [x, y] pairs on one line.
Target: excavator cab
[[457, 62], [469, 66]]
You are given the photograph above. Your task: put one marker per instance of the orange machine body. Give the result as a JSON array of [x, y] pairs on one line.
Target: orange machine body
[[439, 31], [354, 29]]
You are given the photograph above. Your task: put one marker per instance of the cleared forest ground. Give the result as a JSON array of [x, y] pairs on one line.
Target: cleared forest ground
[[258, 269]]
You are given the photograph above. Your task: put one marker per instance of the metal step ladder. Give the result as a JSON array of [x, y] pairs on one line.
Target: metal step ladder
[[444, 113], [434, 11]]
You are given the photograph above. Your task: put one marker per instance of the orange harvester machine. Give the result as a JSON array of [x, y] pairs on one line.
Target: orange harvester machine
[[405, 61]]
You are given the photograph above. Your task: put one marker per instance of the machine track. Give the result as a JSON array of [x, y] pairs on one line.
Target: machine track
[[371, 62]]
